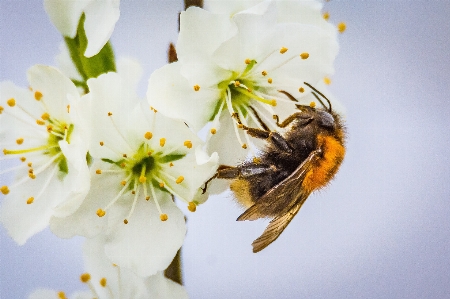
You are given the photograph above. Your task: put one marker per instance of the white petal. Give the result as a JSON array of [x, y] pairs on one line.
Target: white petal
[[131, 72], [161, 287], [65, 15], [101, 17], [44, 294], [65, 63], [146, 244], [54, 87], [171, 94]]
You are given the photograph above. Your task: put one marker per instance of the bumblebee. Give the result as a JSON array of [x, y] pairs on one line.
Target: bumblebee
[[292, 166]]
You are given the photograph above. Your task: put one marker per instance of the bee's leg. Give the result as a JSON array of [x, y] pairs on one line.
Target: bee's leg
[[223, 170], [304, 118], [271, 136]]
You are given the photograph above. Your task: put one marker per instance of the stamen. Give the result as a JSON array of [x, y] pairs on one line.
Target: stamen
[[266, 118], [100, 213], [188, 144], [304, 55], [23, 159], [62, 295], [213, 131], [341, 27], [19, 141], [264, 73], [133, 205], [326, 15], [103, 282], [157, 204], [40, 122], [1, 109], [283, 50], [171, 164], [161, 184], [37, 95], [68, 108], [254, 96], [180, 179], [45, 116], [327, 80], [118, 195], [301, 89], [30, 200], [270, 80], [142, 178], [101, 143], [98, 171], [196, 87], [192, 206], [247, 61], [162, 141], [163, 217], [11, 102], [148, 135], [312, 104], [244, 121], [124, 155], [4, 190], [109, 113]]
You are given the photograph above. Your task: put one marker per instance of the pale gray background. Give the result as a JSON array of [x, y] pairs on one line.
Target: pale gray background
[[381, 230]]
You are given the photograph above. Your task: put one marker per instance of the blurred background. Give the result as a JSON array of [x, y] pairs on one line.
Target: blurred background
[[380, 230]]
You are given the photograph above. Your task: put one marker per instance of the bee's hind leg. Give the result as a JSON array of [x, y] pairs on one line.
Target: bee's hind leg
[[273, 137]]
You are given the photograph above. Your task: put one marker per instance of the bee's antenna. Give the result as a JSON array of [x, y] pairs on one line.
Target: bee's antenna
[[321, 94]]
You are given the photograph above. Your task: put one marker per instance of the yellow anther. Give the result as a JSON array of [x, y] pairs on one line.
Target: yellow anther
[[163, 217], [304, 55], [301, 89], [49, 128], [341, 27], [153, 109], [148, 135], [123, 183], [192, 206], [247, 61], [312, 104], [68, 108], [124, 155], [45, 116], [264, 73], [273, 103], [100, 213], [19, 140], [149, 153], [244, 146], [30, 164], [269, 80], [213, 131], [101, 143], [38, 95], [161, 184], [4, 189], [256, 160], [188, 144], [171, 164], [237, 83], [125, 221], [142, 179], [133, 192], [196, 87], [147, 198], [85, 277], [283, 50], [109, 113], [23, 159], [98, 171], [40, 122], [180, 179], [30, 170], [327, 80], [162, 141], [30, 200], [326, 15], [11, 102], [103, 282], [62, 295], [1, 109], [32, 176]]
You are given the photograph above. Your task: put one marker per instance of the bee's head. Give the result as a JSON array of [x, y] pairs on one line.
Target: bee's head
[[320, 116]]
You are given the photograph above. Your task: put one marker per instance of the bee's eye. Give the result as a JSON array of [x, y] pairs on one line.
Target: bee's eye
[[326, 120]]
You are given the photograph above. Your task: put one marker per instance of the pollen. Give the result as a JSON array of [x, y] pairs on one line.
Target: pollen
[[270, 80], [124, 155], [244, 146], [23, 159], [162, 141], [100, 213], [256, 160], [326, 15], [312, 104], [301, 89], [247, 61], [101, 143], [62, 295], [30, 170], [45, 116], [123, 183], [38, 95], [11, 102], [153, 109], [188, 144], [98, 171], [161, 184], [30, 200], [163, 217], [68, 108], [49, 128], [30, 164], [19, 140], [192, 207], [1, 109], [264, 73], [341, 27], [103, 282], [327, 80], [148, 135], [109, 113], [133, 192], [40, 122], [85, 277], [283, 50], [125, 221], [147, 198], [237, 83], [4, 190], [213, 131], [32, 176], [171, 164], [304, 55], [180, 179], [273, 103], [196, 87], [142, 179]]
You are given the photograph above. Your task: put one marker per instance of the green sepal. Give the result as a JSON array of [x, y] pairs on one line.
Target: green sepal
[[171, 158]]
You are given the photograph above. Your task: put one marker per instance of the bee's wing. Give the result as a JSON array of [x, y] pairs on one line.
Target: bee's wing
[[274, 202], [276, 227]]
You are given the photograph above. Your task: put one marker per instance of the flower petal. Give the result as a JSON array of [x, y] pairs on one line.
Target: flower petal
[[65, 15], [161, 287]]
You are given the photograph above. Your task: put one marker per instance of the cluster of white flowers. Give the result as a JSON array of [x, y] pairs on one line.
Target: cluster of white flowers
[[93, 159]]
